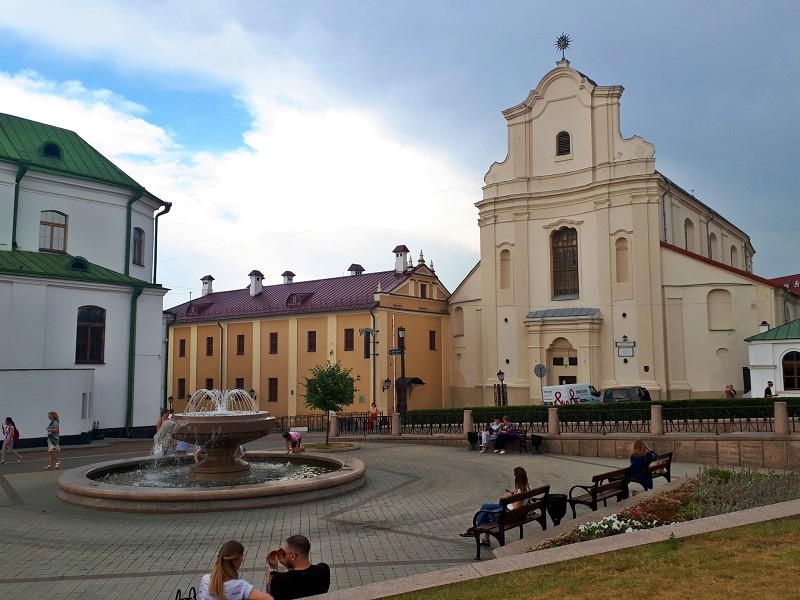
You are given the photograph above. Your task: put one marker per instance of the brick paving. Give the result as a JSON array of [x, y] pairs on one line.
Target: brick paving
[[405, 521]]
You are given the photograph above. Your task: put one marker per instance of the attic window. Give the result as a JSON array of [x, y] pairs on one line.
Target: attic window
[[51, 150], [79, 264], [297, 299], [563, 144], [191, 310]]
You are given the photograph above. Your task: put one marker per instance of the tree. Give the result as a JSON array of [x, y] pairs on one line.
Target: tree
[[329, 388]]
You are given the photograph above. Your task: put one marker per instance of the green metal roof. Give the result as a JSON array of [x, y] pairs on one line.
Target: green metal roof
[[787, 331], [22, 141], [58, 266]]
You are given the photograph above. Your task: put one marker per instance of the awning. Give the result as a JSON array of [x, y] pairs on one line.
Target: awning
[[408, 381]]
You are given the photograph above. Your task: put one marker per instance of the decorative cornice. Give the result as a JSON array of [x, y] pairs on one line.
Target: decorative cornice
[[561, 223]]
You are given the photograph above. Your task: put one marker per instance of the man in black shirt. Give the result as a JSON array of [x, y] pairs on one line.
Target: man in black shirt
[[301, 578]]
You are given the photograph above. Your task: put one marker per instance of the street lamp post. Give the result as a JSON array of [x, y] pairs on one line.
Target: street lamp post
[[401, 344], [503, 397]]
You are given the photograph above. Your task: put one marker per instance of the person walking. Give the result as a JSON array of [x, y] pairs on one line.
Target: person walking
[[10, 435], [223, 582], [53, 439], [301, 578], [768, 391]]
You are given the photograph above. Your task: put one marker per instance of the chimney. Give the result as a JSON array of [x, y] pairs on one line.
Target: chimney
[[355, 269], [207, 287], [288, 277], [256, 277], [764, 326], [400, 259]]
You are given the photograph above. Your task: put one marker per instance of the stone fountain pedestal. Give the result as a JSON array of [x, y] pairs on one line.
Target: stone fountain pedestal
[[220, 434]]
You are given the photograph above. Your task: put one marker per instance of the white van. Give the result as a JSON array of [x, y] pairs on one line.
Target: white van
[[572, 393]]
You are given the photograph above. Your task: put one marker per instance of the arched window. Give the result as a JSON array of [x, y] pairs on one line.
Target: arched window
[[505, 269], [791, 371], [53, 231], [623, 260], [51, 150], [720, 310], [90, 338], [458, 321], [565, 262], [138, 246], [563, 144], [688, 235], [734, 257], [713, 247]]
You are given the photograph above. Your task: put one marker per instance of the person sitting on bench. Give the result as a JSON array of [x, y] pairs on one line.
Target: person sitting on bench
[[520, 485], [641, 458], [507, 433], [490, 434]]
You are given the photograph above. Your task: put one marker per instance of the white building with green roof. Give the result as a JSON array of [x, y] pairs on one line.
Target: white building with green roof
[[775, 356], [80, 308]]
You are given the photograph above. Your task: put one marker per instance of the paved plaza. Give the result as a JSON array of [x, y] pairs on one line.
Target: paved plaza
[[405, 521]]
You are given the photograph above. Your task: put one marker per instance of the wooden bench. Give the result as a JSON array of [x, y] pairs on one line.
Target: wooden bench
[[520, 440], [660, 466], [533, 508], [613, 484]]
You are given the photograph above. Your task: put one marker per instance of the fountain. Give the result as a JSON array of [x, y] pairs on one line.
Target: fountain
[[219, 422]]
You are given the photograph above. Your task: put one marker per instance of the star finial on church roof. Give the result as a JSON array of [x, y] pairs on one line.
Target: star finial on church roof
[[562, 43]]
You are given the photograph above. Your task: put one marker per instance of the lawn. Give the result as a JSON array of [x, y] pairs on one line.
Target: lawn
[[755, 561]]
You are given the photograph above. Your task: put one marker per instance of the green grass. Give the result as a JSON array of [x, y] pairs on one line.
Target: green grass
[[755, 561]]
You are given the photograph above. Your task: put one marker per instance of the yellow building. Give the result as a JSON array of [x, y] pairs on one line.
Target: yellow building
[[268, 338]]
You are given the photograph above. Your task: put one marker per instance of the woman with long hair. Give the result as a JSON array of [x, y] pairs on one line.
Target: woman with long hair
[[53, 441], [489, 509], [223, 582], [9, 436], [641, 457]]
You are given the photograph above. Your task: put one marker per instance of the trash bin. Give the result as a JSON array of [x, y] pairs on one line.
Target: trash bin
[[557, 507]]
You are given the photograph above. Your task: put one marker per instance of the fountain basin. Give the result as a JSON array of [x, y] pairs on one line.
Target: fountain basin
[[81, 487]]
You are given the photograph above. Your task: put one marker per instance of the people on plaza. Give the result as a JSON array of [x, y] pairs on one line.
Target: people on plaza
[[641, 457], [53, 440], [162, 419], [768, 390], [373, 416], [10, 435], [223, 582], [729, 392], [294, 442], [506, 433], [489, 510], [490, 434], [300, 578]]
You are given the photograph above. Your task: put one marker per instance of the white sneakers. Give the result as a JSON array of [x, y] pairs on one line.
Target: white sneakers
[[482, 450], [502, 451], [496, 451]]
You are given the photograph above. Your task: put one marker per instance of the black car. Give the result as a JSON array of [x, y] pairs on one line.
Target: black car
[[634, 393]]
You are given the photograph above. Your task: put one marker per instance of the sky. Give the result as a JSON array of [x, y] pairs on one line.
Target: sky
[[307, 135]]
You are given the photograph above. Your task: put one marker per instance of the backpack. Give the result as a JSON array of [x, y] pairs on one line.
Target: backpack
[[16, 434]]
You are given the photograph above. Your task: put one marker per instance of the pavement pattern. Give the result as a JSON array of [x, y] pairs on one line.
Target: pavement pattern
[[404, 522]]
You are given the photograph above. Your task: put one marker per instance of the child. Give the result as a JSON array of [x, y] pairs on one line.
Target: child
[[294, 442]]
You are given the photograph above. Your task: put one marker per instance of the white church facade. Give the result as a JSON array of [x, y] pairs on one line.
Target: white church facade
[[599, 267], [80, 311]]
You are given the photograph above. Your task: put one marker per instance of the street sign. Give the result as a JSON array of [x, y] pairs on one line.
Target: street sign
[[395, 351], [540, 370]]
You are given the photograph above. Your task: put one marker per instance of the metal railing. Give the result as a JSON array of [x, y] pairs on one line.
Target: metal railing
[[634, 420], [313, 422], [794, 417], [350, 424], [718, 419], [431, 424]]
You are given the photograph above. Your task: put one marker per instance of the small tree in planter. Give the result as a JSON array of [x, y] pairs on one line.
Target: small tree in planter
[[330, 387]]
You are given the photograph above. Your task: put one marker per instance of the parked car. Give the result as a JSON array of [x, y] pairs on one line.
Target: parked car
[[633, 393], [570, 393]]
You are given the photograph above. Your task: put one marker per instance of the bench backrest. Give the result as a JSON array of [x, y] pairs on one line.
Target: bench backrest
[[533, 499], [610, 480], [662, 461]]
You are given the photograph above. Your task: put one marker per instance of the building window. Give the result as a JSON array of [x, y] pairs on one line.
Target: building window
[[432, 340], [51, 150], [713, 247], [240, 383], [273, 342], [182, 348], [734, 257], [90, 337], [209, 383], [505, 269], [558, 361], [181, 387], [272, 389], [138, 246], [565, 262], [349, 340], [423, 290], [240, 345], [311, 345], [688, 235], [53, 231], [622, 255], [209, 346], [573, 361], [720, 310], [791, 371], [563, 144]]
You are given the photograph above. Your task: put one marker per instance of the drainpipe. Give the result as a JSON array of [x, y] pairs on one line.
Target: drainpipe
[[128, 217], [167, 207], [137, 291], [374, 357], [174, 316], [21, 170], [664, 210], [221, 355]]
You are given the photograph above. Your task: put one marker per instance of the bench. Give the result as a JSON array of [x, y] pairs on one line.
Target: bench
[[533, 508], [613, 484], [660, 466], [520, 441]]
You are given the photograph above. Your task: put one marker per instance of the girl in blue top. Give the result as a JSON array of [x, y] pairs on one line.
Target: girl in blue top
[[52, 441]]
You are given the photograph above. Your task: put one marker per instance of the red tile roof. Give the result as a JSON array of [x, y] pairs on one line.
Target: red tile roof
[[321, 295], [790, 282]]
